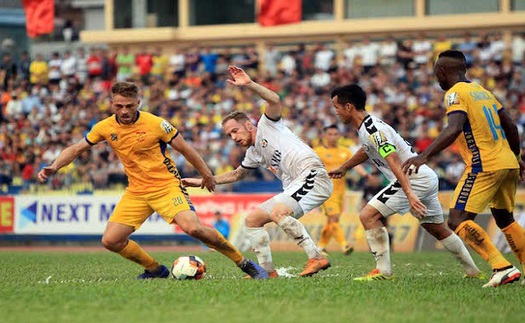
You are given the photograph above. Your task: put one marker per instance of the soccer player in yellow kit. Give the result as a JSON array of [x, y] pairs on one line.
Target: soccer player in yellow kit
[[489, 143], [332, 156], [140, 141]]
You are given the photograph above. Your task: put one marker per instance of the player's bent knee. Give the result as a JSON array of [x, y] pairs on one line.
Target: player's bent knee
[[456, 217], [503, 218], [257, 219], [112, 244], [438, 230]]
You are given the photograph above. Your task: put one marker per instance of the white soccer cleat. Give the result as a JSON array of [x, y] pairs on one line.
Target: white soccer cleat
[[503, 277]]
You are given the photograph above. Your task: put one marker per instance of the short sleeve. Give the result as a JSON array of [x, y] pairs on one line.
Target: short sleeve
[[250, 160], [95, 135], [167, 131], [454, 103], [265, 121]]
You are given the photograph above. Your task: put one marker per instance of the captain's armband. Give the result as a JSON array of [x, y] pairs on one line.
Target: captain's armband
[[386, 150]]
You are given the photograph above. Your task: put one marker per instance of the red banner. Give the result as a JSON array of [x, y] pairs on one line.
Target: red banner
[[40, 17], [279, 12]]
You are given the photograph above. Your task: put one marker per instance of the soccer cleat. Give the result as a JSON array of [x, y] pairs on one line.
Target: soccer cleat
[[161, 272], [253, 270], [348, 250], [271, 274], [480, 276], [503, 277], [315, 265], [374, 275]]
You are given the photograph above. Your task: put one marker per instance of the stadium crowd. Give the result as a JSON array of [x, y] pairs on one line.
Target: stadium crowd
[[48, 103]]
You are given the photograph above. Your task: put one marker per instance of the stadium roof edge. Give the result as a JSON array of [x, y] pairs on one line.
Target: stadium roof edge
[[308, 29]]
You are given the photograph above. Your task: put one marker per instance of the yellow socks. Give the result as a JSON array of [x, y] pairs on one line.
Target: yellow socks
[[480, 241], [326, 235], [515, 235], [339, 234], [132, 251], [226, 248]]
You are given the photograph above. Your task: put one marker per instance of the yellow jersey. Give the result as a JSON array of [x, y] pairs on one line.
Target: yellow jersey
[[141, 147], [333, 158], [482, 144]]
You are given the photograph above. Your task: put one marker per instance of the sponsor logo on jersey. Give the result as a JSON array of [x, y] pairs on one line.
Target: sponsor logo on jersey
[[452, 98], [141, 135], [378, 138], [264, 143], [114, 137], [166, 126]]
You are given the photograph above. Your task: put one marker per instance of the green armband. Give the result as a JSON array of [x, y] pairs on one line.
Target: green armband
[[386, 150]]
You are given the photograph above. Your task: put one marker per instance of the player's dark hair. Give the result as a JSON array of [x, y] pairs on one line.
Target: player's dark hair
[[126, 89], [332, 126], [457, 55], [451, 53], [236, 115], [352, 94]]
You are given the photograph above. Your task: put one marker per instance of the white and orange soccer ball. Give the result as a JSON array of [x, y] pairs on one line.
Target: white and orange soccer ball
[[188, 267]]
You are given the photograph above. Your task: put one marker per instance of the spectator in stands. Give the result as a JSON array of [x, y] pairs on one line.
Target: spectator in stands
[[38, 71], [221, 224], [194, 101], [8, 71], [23, 66], [271, 60], [125, 62]]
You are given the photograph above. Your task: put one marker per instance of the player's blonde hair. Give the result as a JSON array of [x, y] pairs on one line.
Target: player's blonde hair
[[236, 115], [126, 89]]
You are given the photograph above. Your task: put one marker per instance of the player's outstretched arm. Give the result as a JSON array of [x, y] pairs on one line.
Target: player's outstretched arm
[[418, 208], [191, 155], [240, 78], [447, 136], [225, 178], [358, 158], [233, 176], [65, 158]]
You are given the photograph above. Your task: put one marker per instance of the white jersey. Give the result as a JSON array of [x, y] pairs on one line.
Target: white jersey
[[379, 140], [278, 149]]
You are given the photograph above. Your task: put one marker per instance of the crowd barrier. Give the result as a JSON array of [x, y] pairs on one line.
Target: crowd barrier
[[79, 217]]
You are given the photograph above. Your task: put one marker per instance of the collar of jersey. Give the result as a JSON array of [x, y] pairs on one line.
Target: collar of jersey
[[137, 114], [364, 119]]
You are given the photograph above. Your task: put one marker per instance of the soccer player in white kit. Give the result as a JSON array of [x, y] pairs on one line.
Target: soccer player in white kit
[[306, 184], [417, 193]]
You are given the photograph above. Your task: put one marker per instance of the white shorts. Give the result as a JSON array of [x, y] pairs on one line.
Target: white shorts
[[392, 199], [304, 194]]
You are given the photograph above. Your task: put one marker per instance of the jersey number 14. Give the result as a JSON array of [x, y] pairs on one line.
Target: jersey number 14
[[492, 123]]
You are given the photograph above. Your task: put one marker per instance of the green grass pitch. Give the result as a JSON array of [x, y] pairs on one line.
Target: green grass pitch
[[101, 287]]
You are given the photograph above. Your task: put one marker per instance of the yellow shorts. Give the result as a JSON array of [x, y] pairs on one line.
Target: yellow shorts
[[133, 209], [334, 205], [476, 190]]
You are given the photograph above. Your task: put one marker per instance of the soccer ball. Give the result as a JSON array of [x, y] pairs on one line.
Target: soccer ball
[[188, 267]]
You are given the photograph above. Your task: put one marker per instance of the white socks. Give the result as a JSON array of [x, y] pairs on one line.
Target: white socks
[[380, 248], [296, 230], [456, 247], [260, 241]]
